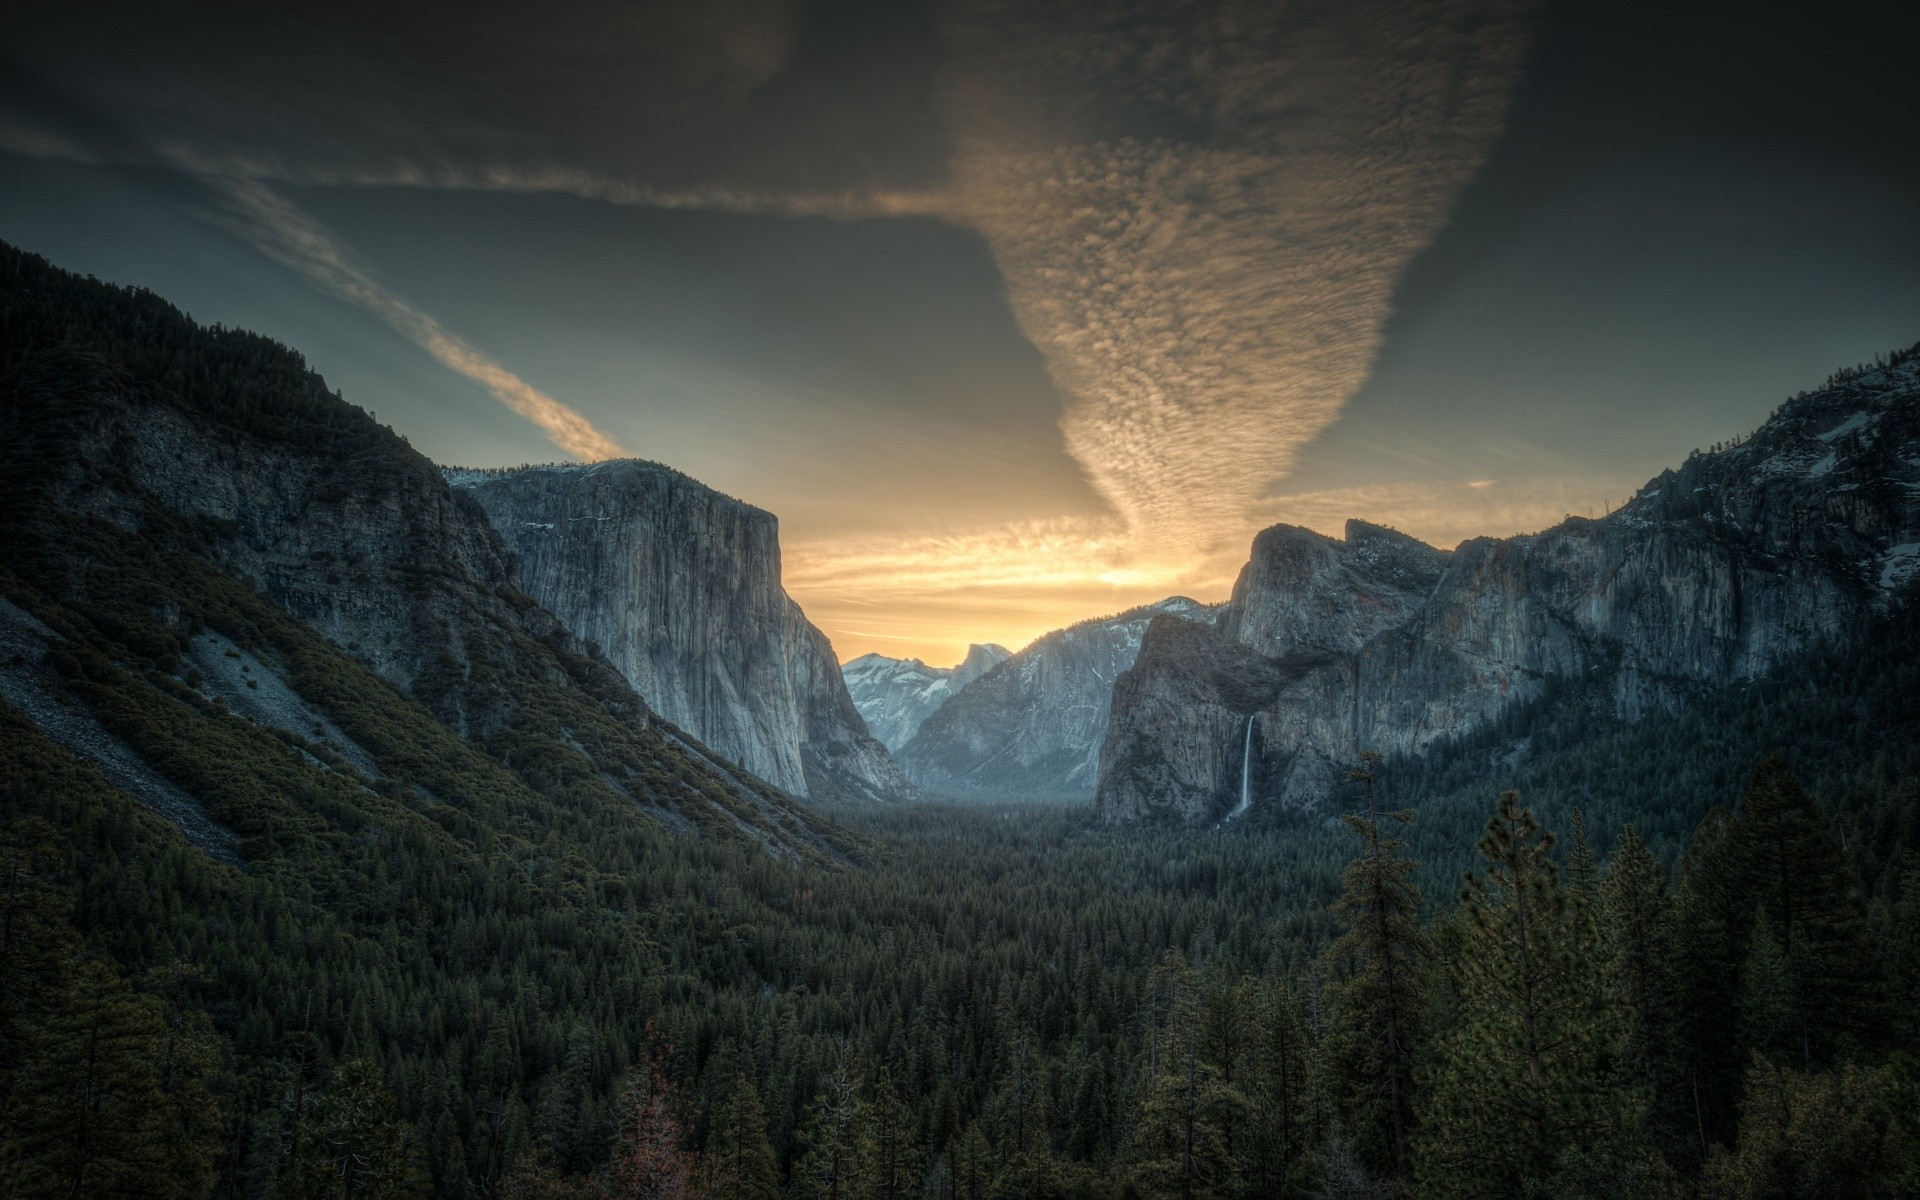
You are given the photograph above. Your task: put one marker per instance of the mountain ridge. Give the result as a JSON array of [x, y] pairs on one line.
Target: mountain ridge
[[1033, 724], [1714, 571], [896, 695], [166, 479]]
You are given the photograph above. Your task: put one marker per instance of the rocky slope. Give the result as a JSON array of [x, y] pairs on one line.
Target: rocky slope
[[1033, 725], [1713, 573], [166, 483], [679, 586], [896, 694]]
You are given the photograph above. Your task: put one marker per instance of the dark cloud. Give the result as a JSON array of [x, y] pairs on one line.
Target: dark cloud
[[710, 96]]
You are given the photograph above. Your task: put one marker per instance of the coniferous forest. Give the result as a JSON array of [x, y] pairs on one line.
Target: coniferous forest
[[1694, 975], [1672, 958]]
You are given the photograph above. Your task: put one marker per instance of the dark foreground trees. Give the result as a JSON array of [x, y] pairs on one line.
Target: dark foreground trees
[[1155, 1026]]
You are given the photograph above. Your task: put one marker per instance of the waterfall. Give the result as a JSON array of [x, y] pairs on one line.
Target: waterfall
[[1246, 775]]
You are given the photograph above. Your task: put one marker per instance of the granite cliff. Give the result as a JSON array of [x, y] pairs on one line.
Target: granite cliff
[[1711, 574], [1033, 724], [679, 586], [198, 532], [896, 694]]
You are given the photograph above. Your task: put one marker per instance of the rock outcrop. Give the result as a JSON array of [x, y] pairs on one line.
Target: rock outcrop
[[679, 586], [896, 694], [1033, 725], [1713, 573], [164, 464]]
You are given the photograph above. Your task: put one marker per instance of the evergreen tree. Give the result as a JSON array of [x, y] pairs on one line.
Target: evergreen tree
[[1713, 917], [650, 1158], [1180, 1146], [358, 1145], [1806, 1135], [1521, 1079], [1379, 1007], [739, 1160], [970, 1165], [1637, 926], [887, 1141], [36, 940], [829, 1165], [1769, 995], [1903, 951], [1793, 864], [90, 1114], [1284, 1097]]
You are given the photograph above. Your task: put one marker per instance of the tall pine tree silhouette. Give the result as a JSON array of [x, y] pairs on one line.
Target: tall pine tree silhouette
[[1379, 1008], [1794, 868], [1520, 1079]]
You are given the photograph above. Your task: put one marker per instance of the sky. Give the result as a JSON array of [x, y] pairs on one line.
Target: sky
[[1015, 313]]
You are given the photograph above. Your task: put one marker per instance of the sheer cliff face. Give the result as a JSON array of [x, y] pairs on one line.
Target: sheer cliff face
[[253, 480], [1033, 725], [1711, 574], [895, 695], [679, 586]]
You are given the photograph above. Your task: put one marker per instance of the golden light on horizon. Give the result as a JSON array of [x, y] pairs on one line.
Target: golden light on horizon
[[930, 597]]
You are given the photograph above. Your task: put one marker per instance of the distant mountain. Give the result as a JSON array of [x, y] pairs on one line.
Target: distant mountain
[[896, 694], [1712, 574], [679, 586], [267, 617], [1033, 725]]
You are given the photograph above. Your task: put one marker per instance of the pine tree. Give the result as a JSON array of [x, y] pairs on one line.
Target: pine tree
[[1792, 862], [1379, 1008], [90, 1114], [36, 940], [1521, 1080], [1812, 1134], [1713, 914], [739, 1159], [1637, 926], [1179, 1146], [1903, 951], [1583, 865], [888, 1147], [358, 1144], [650, 1158], [829, 1167], [1283, 1093], [1769, 996], [970, 1163]]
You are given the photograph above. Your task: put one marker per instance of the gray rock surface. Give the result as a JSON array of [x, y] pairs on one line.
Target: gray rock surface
[[1033, 725], [679, 586], [1713, 573], [336, 521], [896, 694], [38, 692]]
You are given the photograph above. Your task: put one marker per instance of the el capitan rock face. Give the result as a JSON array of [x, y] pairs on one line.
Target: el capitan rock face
[[1712, 574], [679, 586], [285, 562]]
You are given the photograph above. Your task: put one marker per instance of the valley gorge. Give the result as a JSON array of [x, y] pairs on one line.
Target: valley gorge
[[1033, 725]]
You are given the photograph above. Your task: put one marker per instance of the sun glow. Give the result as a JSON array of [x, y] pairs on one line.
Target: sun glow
[[929, 597]]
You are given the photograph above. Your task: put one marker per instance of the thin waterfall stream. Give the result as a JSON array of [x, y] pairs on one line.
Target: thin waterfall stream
[[1246, 775]]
